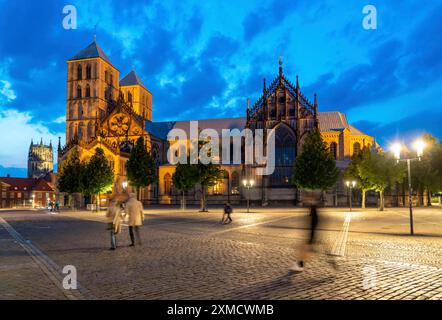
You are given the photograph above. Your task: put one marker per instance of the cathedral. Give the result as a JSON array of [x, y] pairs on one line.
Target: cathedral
[[40, 160], [103, 111]]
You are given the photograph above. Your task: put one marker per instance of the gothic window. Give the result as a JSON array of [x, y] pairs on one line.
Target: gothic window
[[71, 131], [78, 91], [334, 149], [129, 97], [88, 91], [90, 130], [235, 183], [80, 130], [356, 148], [111, 79], [168, 184], [285, 153], [106, 76], [88, 71], [79, 72]]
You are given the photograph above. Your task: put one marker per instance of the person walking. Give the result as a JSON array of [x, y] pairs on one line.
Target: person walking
[[114, 220], [227, 212], [57, 206], [134, 209]]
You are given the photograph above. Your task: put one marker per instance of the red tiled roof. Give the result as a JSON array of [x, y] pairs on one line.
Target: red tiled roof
[[27, 184]]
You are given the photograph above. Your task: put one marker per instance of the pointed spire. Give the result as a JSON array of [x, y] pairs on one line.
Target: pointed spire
[[32, 142], [41, 141], [264, 87], [59, 144], [248, 108], [280, 68], [50, 143], [297, 81]]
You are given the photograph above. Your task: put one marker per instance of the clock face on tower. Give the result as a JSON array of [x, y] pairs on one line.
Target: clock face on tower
[[119, 124]]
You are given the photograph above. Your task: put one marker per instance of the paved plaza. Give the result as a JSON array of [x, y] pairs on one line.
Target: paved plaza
[[190, 255]]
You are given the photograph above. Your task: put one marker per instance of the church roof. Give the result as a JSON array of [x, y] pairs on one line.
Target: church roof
[[27, 184], [92, 51], [131, 79], [328, 121]]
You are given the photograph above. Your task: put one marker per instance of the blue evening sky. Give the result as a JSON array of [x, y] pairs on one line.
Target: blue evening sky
[[202, 59]]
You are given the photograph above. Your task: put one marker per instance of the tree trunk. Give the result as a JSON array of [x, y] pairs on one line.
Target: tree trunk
[[428, 198], [363, 198], [381, 200], [183, 201], [98, 202], [203, 199]]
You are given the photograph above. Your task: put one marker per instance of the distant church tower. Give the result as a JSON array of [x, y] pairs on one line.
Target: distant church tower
[[40, 159]]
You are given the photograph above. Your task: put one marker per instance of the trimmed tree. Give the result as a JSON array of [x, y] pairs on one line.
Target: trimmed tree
[[208, 175], [184, 179], [315, 167], [353, 172], [381, 171], [140, 167], [69, 175], [98, 176]]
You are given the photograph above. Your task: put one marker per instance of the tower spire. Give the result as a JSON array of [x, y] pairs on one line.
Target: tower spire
[[297, 81], [264, 87], [59, 144], [280, 67]]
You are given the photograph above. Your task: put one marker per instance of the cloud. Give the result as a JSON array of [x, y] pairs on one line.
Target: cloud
[[6, 93], [16, 131]]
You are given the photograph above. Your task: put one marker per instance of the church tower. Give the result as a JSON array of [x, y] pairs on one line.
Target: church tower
[[136, 93], [40, 159], [92, 83]]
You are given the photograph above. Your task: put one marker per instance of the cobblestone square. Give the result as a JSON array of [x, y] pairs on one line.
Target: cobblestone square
[[191, 255]]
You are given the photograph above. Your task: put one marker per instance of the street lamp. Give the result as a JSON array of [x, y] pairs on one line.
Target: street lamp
[[248, 184], [350, 185], [419, 146], [124, 184]]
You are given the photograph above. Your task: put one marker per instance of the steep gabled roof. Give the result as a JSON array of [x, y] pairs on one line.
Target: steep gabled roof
[[91, 51], [131, 79]]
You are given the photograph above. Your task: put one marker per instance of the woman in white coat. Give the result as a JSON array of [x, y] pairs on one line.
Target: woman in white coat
[[114, 220], [134, 209]]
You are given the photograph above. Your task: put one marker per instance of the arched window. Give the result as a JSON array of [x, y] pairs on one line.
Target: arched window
[[129, 97], [356, 148], [235, 183], [168, 184], [79, 92], [285, 154], [334, 149], [111, 79], [79, 72], [88, 91], [106, 76], [90, 130], [88, 71], [81, 130]]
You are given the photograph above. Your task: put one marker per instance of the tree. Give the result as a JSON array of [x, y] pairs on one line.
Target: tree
[[184, 178], [140, 167], [69, 174], [353, 172], [381, 171], [98, 176], [207, 176], [425, 174], [315, 167]]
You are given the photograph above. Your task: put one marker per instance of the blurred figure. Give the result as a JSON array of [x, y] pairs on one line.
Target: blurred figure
[[134, 209], [114, 220], [51, 206], [57, 206], [307, 248], [227, 212]]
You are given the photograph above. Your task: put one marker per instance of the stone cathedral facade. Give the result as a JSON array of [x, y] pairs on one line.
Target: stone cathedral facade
[[40, 160], [103, 111]]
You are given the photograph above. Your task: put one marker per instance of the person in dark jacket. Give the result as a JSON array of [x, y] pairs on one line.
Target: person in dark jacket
[[227, 212]]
